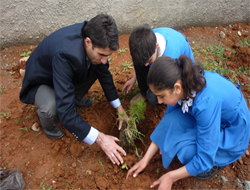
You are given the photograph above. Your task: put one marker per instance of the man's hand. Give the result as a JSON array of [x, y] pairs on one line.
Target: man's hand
[[110, 147]]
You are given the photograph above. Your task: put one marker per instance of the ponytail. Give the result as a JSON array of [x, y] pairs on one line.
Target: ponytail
[[165, 72]]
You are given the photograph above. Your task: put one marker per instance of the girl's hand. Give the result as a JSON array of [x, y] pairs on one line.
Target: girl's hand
[[137, 168], [165, 182]]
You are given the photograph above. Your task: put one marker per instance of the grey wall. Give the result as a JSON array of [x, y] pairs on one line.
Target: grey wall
[[24, 22]]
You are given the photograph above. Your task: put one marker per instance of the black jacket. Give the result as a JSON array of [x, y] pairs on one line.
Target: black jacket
[[60, 61]]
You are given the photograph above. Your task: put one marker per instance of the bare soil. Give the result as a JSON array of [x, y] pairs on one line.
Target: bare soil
[[68, 164]]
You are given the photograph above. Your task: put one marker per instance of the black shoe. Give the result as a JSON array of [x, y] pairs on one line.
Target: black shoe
[[85, 102], [207, 175], [55, 132]]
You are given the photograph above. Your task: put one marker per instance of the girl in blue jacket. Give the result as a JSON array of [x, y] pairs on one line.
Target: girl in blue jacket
[[206, 124]]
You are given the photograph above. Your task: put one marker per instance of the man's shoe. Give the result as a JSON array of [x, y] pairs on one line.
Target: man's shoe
[[55, 132], [136, 98], [207, 175], [85, 102]]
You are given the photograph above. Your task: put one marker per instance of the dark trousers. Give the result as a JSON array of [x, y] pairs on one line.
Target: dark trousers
[[46, 103], [141, 76]]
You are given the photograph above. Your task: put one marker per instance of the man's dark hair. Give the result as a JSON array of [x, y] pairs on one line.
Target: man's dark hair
[[103, 32], [142, 43]]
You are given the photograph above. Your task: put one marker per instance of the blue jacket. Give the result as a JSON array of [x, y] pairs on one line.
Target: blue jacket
[[214, 132], [176, 43]]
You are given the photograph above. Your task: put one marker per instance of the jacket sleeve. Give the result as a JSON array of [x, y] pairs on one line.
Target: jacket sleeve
[[63, 72], [106, 80]]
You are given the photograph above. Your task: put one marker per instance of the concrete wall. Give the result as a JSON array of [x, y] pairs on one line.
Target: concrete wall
[[24, 22]]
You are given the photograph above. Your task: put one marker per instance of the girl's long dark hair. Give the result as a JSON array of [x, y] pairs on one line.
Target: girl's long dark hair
[[165, 71]]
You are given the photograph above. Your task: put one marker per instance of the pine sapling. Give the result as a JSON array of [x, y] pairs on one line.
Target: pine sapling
[[129, 132]]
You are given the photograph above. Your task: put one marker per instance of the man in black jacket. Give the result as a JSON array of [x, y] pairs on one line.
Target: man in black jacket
[[60, 72]]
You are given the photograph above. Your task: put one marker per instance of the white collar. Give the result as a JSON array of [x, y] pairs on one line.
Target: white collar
[[162, 44], [187, 103]]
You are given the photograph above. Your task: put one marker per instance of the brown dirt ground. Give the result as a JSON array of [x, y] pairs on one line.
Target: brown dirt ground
[[68, 164]]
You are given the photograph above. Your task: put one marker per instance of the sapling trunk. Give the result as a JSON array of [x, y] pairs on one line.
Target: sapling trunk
[[129, 132], [124, 143]]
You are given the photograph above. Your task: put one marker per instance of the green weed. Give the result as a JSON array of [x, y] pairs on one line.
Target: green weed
[[137, 154], [18, 121], [6, 114], [100, 162], [109, 59], [89, 149], [243, 70], [218, 51], [127, 65], [157, 170], [1, 90], [20, 82], [28, 117], [81, 109], [245, 42], [25, 53], [134, 92], [32, 107], [38, 134], [124, 166], [44, 188], [25, 129], [120, 51], [123, 97], [214, 60]]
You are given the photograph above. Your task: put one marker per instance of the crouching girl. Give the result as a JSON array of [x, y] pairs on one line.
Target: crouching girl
[[206, 123]]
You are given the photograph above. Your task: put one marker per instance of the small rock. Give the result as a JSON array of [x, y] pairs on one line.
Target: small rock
[[73, 164], [22, 72], [247, 185], [239, 33], [35, 127], [224, 179], [238, 183], [247, 153], [222, 35], [24, 59]]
